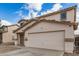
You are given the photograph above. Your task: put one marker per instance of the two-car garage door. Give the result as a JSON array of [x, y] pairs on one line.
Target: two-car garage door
[[49, 40]]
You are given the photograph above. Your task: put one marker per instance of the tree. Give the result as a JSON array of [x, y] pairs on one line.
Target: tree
[[2, 27]]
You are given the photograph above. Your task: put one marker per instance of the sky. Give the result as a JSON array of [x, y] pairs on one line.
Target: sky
[[13, 12]]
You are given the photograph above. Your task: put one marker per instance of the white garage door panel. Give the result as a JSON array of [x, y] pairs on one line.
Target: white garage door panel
[[50, 40]]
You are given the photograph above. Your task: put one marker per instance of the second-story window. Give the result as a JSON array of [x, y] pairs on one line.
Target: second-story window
[[63, 16]]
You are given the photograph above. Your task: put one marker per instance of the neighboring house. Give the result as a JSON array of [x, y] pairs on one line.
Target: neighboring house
[[51, 31], [7, 35]]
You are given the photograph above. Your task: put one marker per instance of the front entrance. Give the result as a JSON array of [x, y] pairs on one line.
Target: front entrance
[[0, 38], [22, 39]]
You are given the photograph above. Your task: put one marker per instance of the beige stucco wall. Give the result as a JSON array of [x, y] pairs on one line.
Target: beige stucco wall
[[69, 46], [45, 26], [70, 16], [7, 36], [53, 17], [69, 32]]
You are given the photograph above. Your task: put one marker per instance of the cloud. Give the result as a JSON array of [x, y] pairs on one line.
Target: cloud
[[55, 7], [5, 22], [77, 20], [78, 5], [20, 13], [77, 15], [34, 14], [38, 7], [26, 17], [31, 7], [76, 32]]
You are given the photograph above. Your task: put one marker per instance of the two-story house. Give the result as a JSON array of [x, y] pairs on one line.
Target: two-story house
[[54, 31]]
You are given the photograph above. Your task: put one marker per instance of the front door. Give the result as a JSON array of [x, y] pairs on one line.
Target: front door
[[22, 39], [0, 38]]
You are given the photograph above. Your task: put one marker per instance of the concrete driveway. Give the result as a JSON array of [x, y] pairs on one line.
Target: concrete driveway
[[7, 48], [33, 52]]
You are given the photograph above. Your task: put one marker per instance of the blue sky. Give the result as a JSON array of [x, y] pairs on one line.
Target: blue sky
[[13, 12]]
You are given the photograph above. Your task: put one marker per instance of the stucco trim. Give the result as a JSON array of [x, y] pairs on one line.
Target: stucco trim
[[69, 53], [46, 49], [69, 40], [46, 31], [13, 25]]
